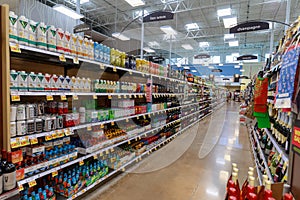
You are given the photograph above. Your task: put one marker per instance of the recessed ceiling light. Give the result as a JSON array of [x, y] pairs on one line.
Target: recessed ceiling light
[[222, 76], [168, 30], [221, 64], [191, 26], [193, 70], [229, 22], [234, 43], [135, 3], [237, 66], [67, 11], [224, 12], [149, 50], [242, 70], [186, 67], [203, 44], [120, 36], [228, 36], [211, 67], [187, 47]]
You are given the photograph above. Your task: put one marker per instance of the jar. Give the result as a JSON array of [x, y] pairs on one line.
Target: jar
[[30, 111], [13, 130], [38, 125], [30, 126], [82, 115], [13, 113], [21, 127], [21, 114]]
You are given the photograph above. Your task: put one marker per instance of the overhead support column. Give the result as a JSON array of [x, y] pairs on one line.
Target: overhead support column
[[142, 37], [78, 10], [287, 14], [272, 39]]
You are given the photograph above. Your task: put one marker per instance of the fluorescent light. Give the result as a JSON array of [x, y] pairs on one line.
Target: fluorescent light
[[140, 13], [187, 46], [221, 64], [67, 11], [224, 12], [237, 66], [186, 67], [84, 1], [191, 26], [149, 50], [211, 67], [203, 44], [120, 36], [222, 76], [193, 70], [228, 22], [228, 36], [135, 3], [242, 70], [234, 43], [168, 30]]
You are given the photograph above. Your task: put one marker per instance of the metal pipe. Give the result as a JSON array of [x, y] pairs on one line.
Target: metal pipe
[[78, 10], [272, 39], [287, 13], [142, 40]]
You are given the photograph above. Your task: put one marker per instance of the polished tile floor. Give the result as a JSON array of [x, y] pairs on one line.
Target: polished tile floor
[[196, 165]]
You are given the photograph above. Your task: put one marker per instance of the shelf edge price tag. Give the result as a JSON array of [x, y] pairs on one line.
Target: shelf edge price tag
[[115, 69], [15, 98], [63, 97], [89, 128], [119, 96], [75, 60], [127, 120], [21, 188], [15, 48], [95, 96], [48, 137], [33, 141], [102, 126], [101, 66], [129, 142], [134, 96], [130, 72], [95, 157], [112, 123], [75, 97], [109, 96], [125, 96], [107, 152], [32, 183], [54, 173], [62, 58], [81, 163], [49, 98], [144, 116]]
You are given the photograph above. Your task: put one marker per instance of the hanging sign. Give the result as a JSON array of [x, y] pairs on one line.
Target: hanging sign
[[249, 26], [296, 138], [202, 56], [247, 57], [81, 28], [216, 70], [158, 16], [286, 82]]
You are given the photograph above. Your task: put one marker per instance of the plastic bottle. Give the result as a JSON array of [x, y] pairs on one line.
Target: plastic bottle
[[23, 30], [41, 39], [32, 29], [13, 27], [51, 38]]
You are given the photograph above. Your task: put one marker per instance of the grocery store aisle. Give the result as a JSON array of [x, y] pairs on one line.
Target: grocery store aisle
[[196, 165]]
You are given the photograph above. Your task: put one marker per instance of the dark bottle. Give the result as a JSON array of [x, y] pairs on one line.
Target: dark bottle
[[9, 174]]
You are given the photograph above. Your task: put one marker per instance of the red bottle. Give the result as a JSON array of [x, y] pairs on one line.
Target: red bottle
[[236, 183], [250, 189], [245, 185], [234, 165], [261, 193], [268, 192], [287, 196], [252, 196]]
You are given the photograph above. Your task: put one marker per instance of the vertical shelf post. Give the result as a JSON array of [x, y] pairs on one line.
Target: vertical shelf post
[[5, 74]]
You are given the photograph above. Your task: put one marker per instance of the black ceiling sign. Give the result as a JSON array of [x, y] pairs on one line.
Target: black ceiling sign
[[158, 59], [81, 28], [158, 16], [202, 56], [247, 57], [216, 70], [249, 26], [226, 79]]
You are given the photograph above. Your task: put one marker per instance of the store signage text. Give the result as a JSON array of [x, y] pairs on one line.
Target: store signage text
[[216, 70], [202, 56], [81, 28], [249, 26], [247, 57], [296, 140], [158, 16]]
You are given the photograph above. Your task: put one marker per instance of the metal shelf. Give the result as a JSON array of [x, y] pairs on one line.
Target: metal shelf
[[67, 93], [9, 194], [284, 156]]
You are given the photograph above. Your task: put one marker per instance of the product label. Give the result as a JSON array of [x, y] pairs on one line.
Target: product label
[[9, 181]]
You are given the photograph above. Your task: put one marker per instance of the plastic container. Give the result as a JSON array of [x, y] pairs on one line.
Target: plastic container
[[51, 38], [67, 40], [60, 40], [32, 29], [41, 37], [13, 80], [32, 81], [40, 82], [22, 81], [23, 30], [73, 45]]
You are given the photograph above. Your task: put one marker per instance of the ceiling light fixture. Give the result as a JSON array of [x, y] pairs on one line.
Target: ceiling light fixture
[[67, 11], [229, 22], [187, 47], [234, 43], [228, 36], [203, 44], [237, 66], [186, 67], [153, 44], [224, 12], [221, 64], [149, 50], [120, 36], [135, 3], [194, 71], [84, 1], [191, 26], [168, 30], [242, 70], [211, 67]]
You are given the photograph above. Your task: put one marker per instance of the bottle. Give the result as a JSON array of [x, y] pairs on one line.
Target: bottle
[[269, 147], [9, 174], [289, 133], [288, 196], [249, 189], [268, 191], [246, 183]]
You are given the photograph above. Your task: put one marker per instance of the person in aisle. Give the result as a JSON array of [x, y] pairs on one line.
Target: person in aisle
[[228, 96]]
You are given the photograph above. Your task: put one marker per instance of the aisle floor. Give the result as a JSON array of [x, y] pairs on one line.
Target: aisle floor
[[195, 166]]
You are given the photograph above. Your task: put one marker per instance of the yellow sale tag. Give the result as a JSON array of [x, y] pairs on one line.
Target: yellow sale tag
[[89, 128], [107, 152], [75, 60], [48, 137], [112, 123], [54, 173], [129, 142], [130, 96], [21, 188], [112, 150], [144, 116], [136, 139], [14, 144], [81, 163], [95, 96], [25, 141], [75, 97], [101, 66], [15, 98], [109, 96], [148, 153], [33, 141], [67, 132], [123, 169], [119, 96], [143, 75], [125, 96], [15, 48], [63, 97], [115, 69], [54, 135], [135, 96], [32, 183], [49, 98], [127, 120], [101, 153], [130, 72], [138, 117], [95, 157], [102, 126], [149, 115], [62, 58]]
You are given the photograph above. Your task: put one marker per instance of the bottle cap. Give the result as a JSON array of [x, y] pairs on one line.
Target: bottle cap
[[251, 181], [251, 169]]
